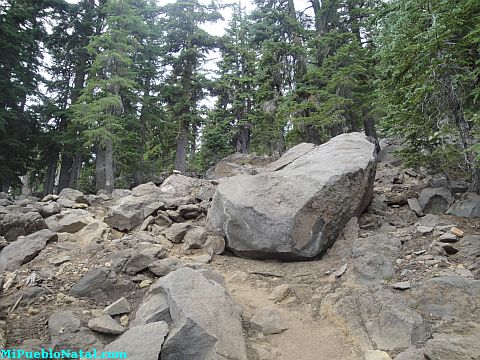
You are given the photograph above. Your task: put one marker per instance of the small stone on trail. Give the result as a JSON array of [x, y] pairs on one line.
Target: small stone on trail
[[448, 238], [203, 259], [420, 252], [280, 293], [59, 260], [341, 271], [106, 324], [403, 285], [269, 321], [377, 355], [145, 283], [456, 231], [121, 306]]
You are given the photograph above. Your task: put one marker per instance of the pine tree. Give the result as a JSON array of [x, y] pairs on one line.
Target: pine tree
[[185, 49]]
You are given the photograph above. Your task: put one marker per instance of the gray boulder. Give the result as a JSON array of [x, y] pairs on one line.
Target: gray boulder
[[24, 249], [180, 186], [70, 221], [154, 308], [70, 197], [206, 324], [67, 333], [128, 212], [269, 321], [49, 209], [13, 225], [141, 342], [435, 200], [298, 209], [468, 206]]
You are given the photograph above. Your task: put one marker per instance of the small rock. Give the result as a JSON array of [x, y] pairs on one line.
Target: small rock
[[176, 232], [164, 266], [424, 230], [203, 259], [269, 321], [449, 248], [280, 293], [33, 311], [420, 252], [448, 238], [456, 231], [377, 355], [215, 245], [106, 324], [121, 306], [415, 206], [59, 260], [403, 285], [145, 283], [124, 320], [341, 271]]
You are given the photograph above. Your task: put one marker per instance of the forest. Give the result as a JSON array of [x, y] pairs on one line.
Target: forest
[[103, 94]]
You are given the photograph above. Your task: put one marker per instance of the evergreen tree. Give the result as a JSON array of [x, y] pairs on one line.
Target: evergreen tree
[[185, 49]]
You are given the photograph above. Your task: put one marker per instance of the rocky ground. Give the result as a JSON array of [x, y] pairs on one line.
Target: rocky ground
[[402, 281]]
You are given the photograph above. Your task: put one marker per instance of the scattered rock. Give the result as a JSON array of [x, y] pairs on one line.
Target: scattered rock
[[121, 306], [106, 324], [377, 355], [59, 260], [415, 206], [195, 238], [448, 238], [164, 266], [468, 206], [176, 232], [280, 293], [435, 200], [424, 230], [141, 342], [340, 271], [13, 225], [403, 285], [215, 245], [24, 249], [457, 232], [205, 321], [269, 321], [154, 308], [69, 221]]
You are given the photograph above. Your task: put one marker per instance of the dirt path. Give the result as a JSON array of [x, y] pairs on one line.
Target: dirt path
[[306, 338]]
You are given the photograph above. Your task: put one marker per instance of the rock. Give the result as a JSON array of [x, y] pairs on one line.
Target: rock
[[93, 235], [175, 216], [49, 209], [424, 230], [120, 193], [24, 249], [59, 260], [145, 283], [375, 317], [455, 187], [69, 221], [269, 321], [448, 238], [468, 206], [434, 296], [429, 220], [415, 206], [458, 342], [189, 211], [403, 285], [106, 324], [154, 308], [377, 355], [215, 244], [67, 333], [29, 295], [457, 232], [299, 210], [236, 164], [164, 266], [3, 242], [176, 232], [388, 155], [72, 195], [206, 323], [280, 293], [97, 284], [411, 354], [13, 225], [121, 306], [340, 271], [449, 248], [195, 238], [178, 185], [130, 211], [202, 259], [141, 342], [435, 200]]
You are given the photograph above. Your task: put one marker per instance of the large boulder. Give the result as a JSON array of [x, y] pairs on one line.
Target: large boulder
[[435, 200], [128, 212], [13, 225], [206, 324], [178, 185], [24, 249], [468, 206], [297, 208], [70, 221]]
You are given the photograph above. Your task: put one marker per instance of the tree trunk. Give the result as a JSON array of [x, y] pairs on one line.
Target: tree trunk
[[467, 143], [100, 175], [6, 185], [52, 161], [182, 143], [109, 168], [242, 139], [65, 170], [370, 131], [75, 173]]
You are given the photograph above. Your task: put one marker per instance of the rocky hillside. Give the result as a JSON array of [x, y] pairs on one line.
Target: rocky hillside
[[386, 263]]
